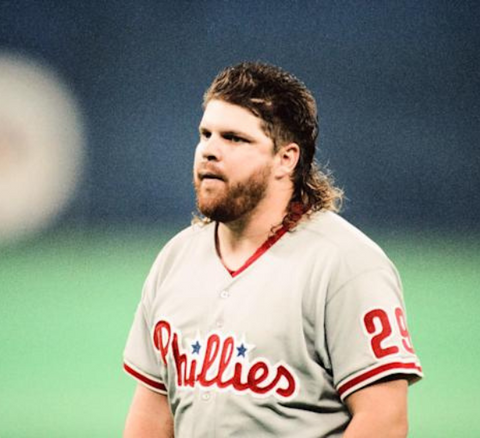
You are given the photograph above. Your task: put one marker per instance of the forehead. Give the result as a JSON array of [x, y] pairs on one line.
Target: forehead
[[221, 115]]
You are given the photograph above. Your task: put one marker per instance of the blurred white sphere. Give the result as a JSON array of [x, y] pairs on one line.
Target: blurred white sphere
[[41, 147]]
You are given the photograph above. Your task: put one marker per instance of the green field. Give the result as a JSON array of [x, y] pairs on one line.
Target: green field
[[67, 301]]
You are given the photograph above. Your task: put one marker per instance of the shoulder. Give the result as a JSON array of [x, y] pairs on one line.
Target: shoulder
[[175, 253], [348, 250], [192, 236], [332, 229], [189, 234]]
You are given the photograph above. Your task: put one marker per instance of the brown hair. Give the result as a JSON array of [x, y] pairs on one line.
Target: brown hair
[[289, 114]]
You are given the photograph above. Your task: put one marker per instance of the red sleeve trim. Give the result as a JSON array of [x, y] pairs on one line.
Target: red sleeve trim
[[152, 384], [374, 374]]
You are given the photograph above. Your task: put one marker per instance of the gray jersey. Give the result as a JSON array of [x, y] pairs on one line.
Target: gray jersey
[[276, 349]]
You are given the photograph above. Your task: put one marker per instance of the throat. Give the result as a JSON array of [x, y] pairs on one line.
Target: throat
[[237, 259]]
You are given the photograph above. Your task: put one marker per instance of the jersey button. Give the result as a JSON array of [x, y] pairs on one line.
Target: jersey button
[[206, 396], [219, 323], [224, 294]]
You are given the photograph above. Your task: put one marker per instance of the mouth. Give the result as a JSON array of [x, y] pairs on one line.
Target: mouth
[[210, 176]]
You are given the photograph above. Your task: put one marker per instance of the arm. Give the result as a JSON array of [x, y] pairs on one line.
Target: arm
[[379, 411], [149, 416]]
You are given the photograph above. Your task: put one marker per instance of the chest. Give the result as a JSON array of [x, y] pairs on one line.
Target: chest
[[270, 308]]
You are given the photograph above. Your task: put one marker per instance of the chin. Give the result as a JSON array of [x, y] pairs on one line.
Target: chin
[[215, 211]]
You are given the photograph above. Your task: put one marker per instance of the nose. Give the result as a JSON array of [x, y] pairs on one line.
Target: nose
[[210, 148]]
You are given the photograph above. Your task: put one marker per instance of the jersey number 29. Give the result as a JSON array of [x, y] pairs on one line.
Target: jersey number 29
[[377, 322]]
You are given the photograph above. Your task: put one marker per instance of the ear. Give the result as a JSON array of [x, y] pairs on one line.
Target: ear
[[287, 159]]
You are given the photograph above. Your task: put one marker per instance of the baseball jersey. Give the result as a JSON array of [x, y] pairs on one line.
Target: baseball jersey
[[274, 349]]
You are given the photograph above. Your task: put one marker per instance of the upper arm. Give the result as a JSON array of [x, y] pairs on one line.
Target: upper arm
[[379, 410], [366, 332], [388, 395], [149, 415]]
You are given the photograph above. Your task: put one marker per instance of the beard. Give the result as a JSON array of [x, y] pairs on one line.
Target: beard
[[232, 201]]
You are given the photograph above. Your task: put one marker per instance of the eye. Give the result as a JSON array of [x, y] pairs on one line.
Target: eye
[[235, 138], [205, 134]]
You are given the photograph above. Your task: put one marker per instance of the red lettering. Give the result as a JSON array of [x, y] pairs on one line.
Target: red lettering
[[402, 326], [211, 353], [236, 380], [225, 358], [281, 372], [290, 389], [256, 375], [218, 360], [184, 377], [383, 319], [385, 331], [161, 339]]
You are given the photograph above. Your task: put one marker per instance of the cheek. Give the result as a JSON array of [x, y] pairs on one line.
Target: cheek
[[197, 155], [252, 162]]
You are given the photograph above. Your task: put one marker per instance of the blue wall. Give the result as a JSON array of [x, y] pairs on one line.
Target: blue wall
[[397, 85]]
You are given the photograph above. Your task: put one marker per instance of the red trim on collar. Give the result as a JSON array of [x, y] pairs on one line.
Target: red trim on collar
[[258, 253]]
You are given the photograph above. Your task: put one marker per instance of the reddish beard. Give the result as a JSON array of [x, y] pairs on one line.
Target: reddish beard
[[233, 201]]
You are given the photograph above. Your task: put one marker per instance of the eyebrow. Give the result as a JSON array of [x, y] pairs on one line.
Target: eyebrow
[[230, 132], [236, 134]]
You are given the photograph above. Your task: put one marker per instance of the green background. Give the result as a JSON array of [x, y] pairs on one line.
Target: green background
[[67, 302]]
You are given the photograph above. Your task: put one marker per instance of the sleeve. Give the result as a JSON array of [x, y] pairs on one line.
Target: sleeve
[[366, 332], [140, 358]]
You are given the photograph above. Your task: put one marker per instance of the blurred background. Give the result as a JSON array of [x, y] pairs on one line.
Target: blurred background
[[99, 108]]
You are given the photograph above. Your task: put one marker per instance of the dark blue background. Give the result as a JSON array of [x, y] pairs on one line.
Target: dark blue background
[[397, 85]]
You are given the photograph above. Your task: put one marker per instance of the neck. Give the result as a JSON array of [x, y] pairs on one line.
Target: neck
[[246, 234], [254, 228]]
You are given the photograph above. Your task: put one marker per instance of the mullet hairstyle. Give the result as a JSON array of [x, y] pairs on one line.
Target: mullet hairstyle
[[289, 115]]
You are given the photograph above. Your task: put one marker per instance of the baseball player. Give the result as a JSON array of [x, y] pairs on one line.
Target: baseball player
[[272, 316]]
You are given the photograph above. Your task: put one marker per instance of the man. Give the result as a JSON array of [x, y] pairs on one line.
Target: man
[[273, 316]]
